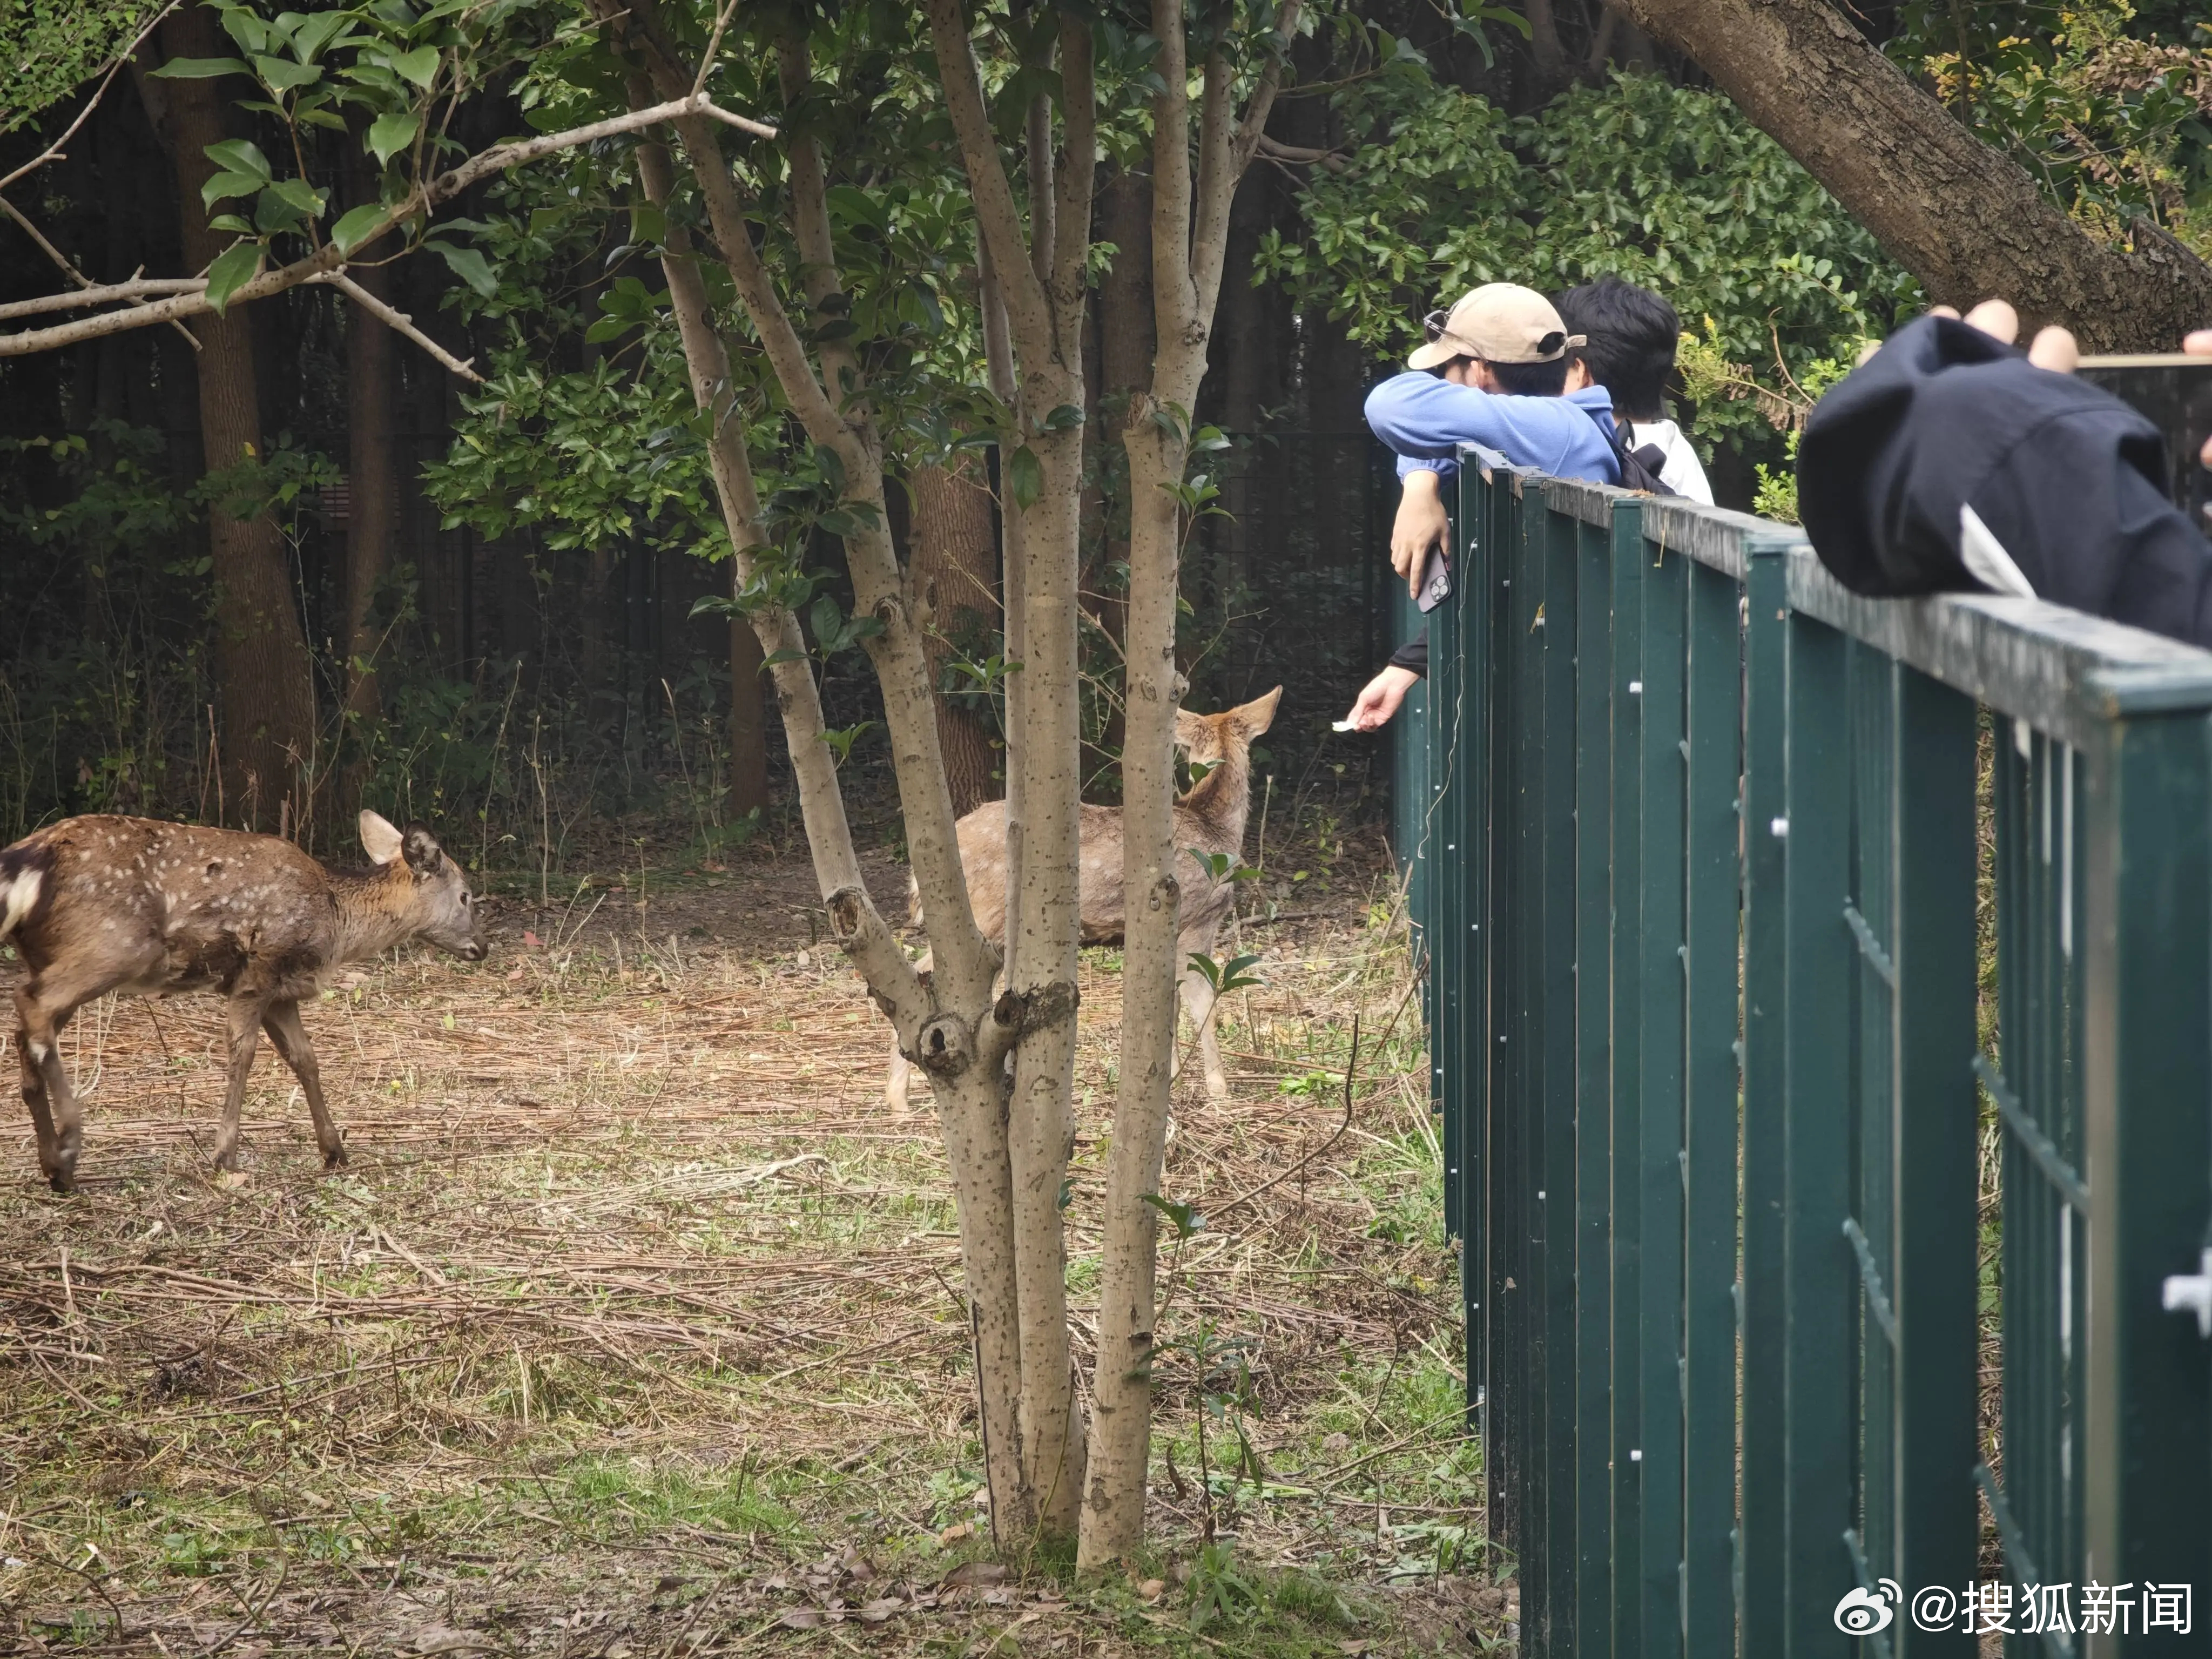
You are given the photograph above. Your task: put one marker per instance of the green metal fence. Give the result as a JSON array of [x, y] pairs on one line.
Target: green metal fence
[[1696, 856]]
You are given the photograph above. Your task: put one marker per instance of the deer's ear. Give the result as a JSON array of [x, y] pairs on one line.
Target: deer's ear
[[424, 856], [1257, 715], [378, 839]]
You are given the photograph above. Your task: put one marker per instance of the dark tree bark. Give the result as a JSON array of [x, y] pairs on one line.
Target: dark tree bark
[[373, 492], [955, 574], [1965, 220], [263, 675], [1127, 340]]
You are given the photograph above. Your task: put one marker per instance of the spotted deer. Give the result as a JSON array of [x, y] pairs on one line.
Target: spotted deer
[[146, 909], [1210, 818]]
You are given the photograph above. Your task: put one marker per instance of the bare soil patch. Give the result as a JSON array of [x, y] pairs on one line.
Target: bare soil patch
[[633, 1325]]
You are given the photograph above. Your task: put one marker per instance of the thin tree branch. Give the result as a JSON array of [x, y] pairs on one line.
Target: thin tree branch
[[1001, 221], [53, 150], [137, 287], [1078, 161], [84, 283], [327, 258], [399, 323], [713, 45], [818, 250], [1217, 192]]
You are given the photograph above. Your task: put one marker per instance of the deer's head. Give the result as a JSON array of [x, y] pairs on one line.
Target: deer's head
[[430, 896], [1209, 740]]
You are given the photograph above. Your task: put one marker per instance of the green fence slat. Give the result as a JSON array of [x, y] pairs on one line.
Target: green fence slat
[[1933, 1274], [2147, 1077], [1550, 1619], [1659, 1087], [1623, 691], [1468, 837], [1593, 1603], [1760, 1538], [1822, 1281], [1711, 760]]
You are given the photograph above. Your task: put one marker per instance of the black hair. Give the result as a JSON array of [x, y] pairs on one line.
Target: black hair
[[1531, 380], [1632, 334]]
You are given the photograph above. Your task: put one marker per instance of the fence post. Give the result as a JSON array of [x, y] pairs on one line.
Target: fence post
[[1759, 1557], [1822, 1281], [1594, 638], [1555, 1179], [1660, 1092], [1624, 695], [1712, 761], [1933, 1124], [2147, 1080]]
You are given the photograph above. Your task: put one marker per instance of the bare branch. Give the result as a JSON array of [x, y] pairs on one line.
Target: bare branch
[[138, 287], [399, 323], [327, 258], [68, 269], [1224, 157], [52, 151], [713, 45], [1001, 223], [809, 214]]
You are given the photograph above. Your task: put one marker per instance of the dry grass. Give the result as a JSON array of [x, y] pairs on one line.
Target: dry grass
[[633, 1326]]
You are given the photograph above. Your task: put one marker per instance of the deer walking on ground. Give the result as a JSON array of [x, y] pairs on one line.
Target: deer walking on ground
[[147, 908], [1210, 818]]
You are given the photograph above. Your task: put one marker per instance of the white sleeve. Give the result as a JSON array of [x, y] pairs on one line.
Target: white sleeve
[[1683, 473]]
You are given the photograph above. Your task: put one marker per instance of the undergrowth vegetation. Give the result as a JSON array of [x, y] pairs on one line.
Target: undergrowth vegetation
[[633, 1326]]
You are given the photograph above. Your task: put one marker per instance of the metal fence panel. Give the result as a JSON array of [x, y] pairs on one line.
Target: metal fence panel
[[1708, 1012]]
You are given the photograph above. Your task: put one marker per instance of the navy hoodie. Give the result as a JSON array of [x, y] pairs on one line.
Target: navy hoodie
[[1947, 442]]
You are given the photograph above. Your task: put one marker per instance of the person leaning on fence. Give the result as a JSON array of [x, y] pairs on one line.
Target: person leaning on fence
[[1950, 461], [1492, 373], [1631, 335]]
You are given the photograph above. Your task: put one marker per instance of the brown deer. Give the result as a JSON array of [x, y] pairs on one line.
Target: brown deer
[[146, 909], [1210, 818]]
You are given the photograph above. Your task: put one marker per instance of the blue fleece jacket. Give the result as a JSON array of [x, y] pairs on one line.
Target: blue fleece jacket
[[1425, 419]]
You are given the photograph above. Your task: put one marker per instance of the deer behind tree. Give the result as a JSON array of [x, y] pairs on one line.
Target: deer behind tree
[[146, 909], [1209, 819]]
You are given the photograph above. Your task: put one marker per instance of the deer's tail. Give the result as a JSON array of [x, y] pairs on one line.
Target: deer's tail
[[22, 880]]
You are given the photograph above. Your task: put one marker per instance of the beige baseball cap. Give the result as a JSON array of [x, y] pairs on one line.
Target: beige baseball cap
[[1500, 323]]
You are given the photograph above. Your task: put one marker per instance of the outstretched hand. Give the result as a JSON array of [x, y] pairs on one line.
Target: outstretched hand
[[1379, 699]]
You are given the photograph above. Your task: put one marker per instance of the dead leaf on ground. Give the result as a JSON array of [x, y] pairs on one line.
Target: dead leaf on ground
[[1152, 1589], [874, 1612], [801, 1619], [976, 1572], [441, 1638]]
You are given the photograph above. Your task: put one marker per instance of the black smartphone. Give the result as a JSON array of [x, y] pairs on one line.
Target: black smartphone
[[2175, 392], [1436, 581]]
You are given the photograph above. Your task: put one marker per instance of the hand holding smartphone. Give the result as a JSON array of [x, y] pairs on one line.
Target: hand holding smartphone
[[2174, 390]]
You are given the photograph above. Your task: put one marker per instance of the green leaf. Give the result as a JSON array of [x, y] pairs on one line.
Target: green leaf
[[274, 211], [469, 265], [232, 222], [319, 33], [1025, 476], [1187, 1221], [351, 231], [233, 268], [1066, 418], [200, 69], [226, 185], [282, 75], [301, 196], [391, 132], [420, 65], [240, 155]]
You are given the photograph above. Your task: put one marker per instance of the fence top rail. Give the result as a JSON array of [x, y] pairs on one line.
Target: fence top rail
[[2063, 672]]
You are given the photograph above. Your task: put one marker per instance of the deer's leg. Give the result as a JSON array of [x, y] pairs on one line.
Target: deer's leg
[[35, 1056], [57, 1117], [244, 1032], [281, 1022], [1203, 1005]]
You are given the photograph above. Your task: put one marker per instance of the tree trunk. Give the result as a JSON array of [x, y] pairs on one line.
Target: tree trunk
[[954, 572], [372, 500], [264, 676], [1126, 346], [1965, 220], [1189, 243]]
